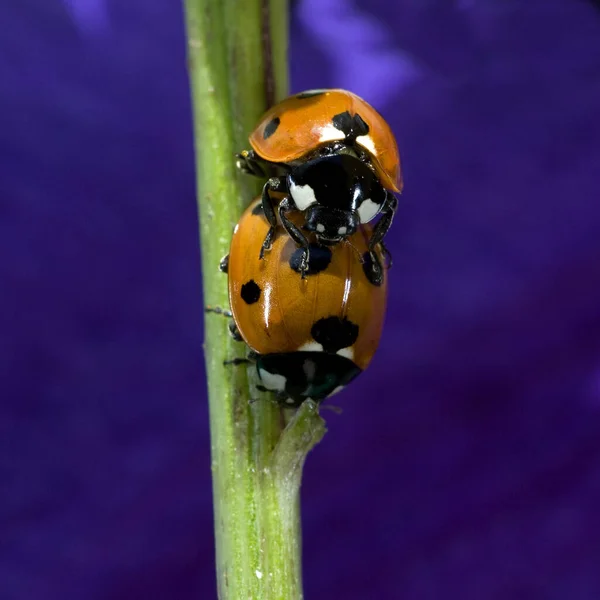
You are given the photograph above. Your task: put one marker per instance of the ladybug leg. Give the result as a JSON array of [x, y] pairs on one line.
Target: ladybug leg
[[388, 211], [280, 398], [236, 361], [267, 243], [387, 254], [277, 185], [224, 264], [250, 358], [269, 212], [376, 269], [285, 206], [233, 330], [247, 162], [373, 269], [218, 311]]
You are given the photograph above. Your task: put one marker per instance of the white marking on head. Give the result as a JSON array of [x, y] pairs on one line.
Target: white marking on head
[[311, 347], [366, 141], [368, 210], [342, 230], [272, 381], [338, 389], [346, 352], [329, 133], [303, 195], [320, 227], [290, 401]]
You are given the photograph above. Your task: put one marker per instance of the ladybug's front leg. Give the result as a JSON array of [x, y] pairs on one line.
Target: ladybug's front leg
[[387, 254], [247, 162], [286, 205], [388, 210], [275, 184]]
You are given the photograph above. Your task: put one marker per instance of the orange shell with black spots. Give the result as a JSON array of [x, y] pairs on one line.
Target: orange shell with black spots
[[276, 310], [301, 123]]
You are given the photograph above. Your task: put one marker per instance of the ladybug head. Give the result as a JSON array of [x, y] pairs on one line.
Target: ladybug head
[[337, 193], [330, 225]]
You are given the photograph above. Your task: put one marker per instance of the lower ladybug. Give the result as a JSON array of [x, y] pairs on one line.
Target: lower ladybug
[[337, 162], [309, 337]]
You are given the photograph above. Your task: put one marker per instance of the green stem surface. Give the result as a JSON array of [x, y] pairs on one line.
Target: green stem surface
[[237, 55]]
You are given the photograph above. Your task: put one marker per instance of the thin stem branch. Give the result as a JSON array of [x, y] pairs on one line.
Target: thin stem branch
[[238, 64]]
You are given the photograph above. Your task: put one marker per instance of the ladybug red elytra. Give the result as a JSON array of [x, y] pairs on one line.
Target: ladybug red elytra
[[309, 337], [336, 161]]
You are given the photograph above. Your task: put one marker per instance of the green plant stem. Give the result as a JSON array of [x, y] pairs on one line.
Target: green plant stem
[[238, 64]]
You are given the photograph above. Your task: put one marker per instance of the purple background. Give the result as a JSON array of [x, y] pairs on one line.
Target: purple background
[[466, 463]]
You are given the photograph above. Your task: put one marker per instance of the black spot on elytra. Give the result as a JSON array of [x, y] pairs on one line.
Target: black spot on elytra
[[271, 127], [258, 210], [373, 269], [352, 126], [334, 333], [250, 292], [318, 259], [310, 94]]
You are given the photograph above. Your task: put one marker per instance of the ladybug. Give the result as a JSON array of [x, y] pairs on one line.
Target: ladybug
[[309, 337], [335, 159]]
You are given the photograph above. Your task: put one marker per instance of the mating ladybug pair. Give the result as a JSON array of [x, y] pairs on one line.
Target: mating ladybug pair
[[307, 270]]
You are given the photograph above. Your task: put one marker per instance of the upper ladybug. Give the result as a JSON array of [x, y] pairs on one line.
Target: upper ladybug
[[297, 126], [334, 158]]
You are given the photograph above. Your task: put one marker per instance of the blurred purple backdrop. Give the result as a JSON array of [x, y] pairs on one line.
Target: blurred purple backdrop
[[466, 463]]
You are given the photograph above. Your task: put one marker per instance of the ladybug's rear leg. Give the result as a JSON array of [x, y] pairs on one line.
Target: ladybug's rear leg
[[224, 264], [250, 359], [233, 330], [282, 399], [234, 362], [275, 184]]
